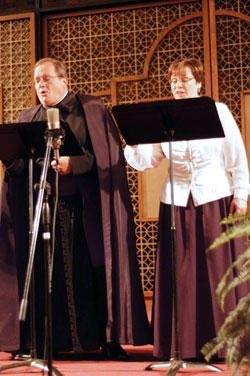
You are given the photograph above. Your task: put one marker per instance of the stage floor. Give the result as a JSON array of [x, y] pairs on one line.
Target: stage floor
[[93, 364]]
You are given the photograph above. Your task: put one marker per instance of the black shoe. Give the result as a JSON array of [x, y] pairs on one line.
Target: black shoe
[[21, 356], [114, 351]]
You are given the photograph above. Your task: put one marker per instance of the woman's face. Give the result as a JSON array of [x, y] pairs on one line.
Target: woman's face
[[184, 85]]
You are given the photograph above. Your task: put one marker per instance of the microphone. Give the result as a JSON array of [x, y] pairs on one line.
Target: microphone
[[53, 118], [55, 131]]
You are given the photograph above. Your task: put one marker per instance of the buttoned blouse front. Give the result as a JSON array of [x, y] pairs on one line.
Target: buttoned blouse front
[[209, 169]]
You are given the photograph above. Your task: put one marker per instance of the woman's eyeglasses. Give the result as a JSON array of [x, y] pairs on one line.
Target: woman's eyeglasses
[[183, 80]]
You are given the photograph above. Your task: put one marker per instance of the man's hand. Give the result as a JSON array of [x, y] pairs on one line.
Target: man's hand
[[238, 206], [64, 165]]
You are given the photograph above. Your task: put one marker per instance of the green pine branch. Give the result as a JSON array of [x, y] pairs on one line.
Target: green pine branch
[[242, 264], [234, 334]]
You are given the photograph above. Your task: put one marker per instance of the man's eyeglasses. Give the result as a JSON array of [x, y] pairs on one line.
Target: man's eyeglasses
[[44, 79], [183, 80]]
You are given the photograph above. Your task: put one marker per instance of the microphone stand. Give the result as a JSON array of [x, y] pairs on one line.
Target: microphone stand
[[176, 363], [47, 280], [33, 350], [42, 364]]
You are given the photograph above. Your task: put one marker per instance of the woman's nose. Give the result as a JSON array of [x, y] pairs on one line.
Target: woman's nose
[[179, 83]]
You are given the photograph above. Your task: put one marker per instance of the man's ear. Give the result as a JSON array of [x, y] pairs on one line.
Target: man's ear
[[66, 80]]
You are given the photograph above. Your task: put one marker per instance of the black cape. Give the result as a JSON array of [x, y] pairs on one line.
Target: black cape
[[127, 318]]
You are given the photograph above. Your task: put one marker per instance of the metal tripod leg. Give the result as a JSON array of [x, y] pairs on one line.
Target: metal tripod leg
[[32, 363], [175, 365]]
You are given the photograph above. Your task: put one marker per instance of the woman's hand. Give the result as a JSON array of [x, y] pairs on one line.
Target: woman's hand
[[238, 206], [64, 165]]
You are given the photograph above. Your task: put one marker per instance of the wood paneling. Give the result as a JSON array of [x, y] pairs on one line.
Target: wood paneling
[[7, 6], [14, 6], [85, 3]]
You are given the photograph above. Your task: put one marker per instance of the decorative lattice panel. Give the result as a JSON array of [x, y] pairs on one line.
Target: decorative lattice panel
[[97, 48], [15, 66], [107, 53], [241, 6], [233, 38], [156, 85]]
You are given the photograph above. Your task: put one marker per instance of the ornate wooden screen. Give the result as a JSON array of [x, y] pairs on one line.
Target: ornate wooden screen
[[123, 56], [17, 55], [231, 52]]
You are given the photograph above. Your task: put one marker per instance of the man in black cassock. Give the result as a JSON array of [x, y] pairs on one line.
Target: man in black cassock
[[97, 299]]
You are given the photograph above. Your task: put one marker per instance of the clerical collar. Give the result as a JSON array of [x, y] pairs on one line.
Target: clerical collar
[[55, 104]]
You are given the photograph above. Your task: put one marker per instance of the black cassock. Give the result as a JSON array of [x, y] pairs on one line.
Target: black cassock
[[97, 293]]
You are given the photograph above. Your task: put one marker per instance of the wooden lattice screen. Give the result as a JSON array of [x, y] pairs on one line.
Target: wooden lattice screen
[[122, 54]]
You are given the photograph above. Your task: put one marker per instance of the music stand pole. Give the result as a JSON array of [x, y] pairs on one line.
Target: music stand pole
[[173, 254], [33, 349], [42, 364]]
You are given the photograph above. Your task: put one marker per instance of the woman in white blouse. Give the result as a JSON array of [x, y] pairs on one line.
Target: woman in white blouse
[[211, 180]]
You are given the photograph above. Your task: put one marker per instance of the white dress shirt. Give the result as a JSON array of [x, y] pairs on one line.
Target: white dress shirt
[[209, 169]]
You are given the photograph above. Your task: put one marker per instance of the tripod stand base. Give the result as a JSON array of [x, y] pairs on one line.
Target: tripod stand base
[[42, 364], [176, 364]]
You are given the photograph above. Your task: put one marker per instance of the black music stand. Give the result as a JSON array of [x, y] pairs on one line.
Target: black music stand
[[28, 141], [170, 121]]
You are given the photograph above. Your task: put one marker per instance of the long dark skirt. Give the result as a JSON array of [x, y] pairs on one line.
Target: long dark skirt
[[9, 325], [198, 274]]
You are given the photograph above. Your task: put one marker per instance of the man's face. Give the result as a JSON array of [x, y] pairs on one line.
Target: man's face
[[50, 88]]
